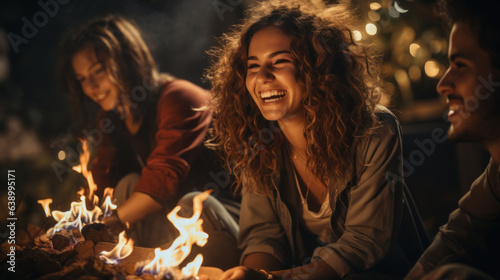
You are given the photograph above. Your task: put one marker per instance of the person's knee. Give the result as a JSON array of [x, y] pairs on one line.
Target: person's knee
[[125, 187]]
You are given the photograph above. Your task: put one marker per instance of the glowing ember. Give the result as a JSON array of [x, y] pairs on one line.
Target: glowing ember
[[166, 262], [45, 204], [122, 250]]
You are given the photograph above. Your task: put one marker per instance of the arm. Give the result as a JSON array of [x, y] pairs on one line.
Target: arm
[[180, 134], [370, 223], [261, 235], [370, 219], [467, 234]]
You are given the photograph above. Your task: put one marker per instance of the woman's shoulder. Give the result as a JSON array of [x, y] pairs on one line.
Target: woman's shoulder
[[386, 131], [179, 91], [386, 122]]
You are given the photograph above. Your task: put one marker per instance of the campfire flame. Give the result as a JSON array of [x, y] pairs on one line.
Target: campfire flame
[[192, 268], [79, 215], [45, 204], [191, 232], [122, 250], [82, 168], [107, 205], [76, 217]]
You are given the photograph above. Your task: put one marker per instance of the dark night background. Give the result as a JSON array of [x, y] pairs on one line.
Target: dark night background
[[36, 123]]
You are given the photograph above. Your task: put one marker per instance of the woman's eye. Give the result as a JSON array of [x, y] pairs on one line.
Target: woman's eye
[[281, 61], [251, 66], [99, 70]]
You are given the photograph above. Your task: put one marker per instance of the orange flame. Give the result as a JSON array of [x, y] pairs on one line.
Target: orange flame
[[107, 205], [45, 204], [82, 168], [122, 250], [191, 232]]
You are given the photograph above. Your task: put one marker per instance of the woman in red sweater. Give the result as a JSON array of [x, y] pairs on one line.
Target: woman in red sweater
[[149, 132]]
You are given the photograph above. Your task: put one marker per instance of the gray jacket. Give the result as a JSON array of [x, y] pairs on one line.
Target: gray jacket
[[366, 215]]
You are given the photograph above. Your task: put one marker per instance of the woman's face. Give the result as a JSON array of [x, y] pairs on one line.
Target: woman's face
[[94, 79], [270, 79]]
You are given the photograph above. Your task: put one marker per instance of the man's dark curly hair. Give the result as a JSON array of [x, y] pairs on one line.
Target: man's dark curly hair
[[482, 17]]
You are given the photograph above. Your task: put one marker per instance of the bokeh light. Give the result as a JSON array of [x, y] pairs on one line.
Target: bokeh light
[[431, 68], [371, 29], [357, 35], [414, 47], [375, 6], [61, 155]]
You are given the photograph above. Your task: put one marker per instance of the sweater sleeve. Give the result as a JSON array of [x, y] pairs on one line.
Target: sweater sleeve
[[369, 223], [102, 163], [260, 228], [471, 233], [181, 131]]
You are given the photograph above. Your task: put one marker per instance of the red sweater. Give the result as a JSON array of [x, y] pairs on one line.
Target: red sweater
[[164, 147]]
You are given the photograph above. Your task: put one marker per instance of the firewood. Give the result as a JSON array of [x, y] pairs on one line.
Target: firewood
[[85, 249], [66, 258], [97, 232], [36, 262], [61, 243]]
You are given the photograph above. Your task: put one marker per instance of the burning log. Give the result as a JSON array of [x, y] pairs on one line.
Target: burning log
[[61, 242], [73, 247], [97, 233], [85, 249], [34, 263]]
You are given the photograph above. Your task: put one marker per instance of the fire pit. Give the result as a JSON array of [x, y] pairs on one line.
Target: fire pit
[[78, 246]]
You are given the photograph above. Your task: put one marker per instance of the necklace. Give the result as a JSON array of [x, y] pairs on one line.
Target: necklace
[[304, 199]]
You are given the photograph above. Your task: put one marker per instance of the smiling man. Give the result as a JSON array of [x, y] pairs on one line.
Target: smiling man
[[468, 246]]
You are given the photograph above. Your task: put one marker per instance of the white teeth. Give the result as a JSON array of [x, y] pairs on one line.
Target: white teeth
[[101, 96], [272, 93]]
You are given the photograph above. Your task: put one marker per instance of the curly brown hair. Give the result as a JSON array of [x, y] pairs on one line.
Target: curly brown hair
[[339, 79], [121, 50]]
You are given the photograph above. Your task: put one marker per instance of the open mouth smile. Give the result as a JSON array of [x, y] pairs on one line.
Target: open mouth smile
[[455, 109], [273, 95], [101, 96]]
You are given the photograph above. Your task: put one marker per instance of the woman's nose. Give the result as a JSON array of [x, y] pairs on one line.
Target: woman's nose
[[265, 74]]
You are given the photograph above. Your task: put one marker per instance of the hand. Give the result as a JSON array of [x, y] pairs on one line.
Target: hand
[[242, 273], [114, 223]]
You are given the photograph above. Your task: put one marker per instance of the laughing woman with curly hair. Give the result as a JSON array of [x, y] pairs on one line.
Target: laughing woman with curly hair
[[317, 162]]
